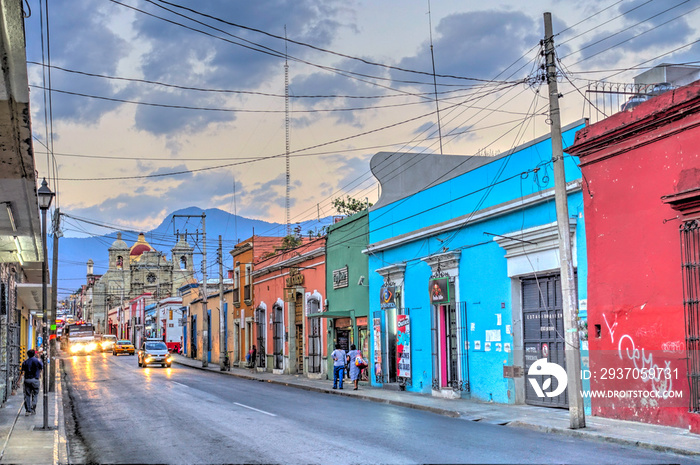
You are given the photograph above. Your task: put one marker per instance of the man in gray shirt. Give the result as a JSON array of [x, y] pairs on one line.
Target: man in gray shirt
[[338, 356]]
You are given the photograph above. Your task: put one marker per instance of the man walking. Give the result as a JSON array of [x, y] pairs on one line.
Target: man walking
[[338, 356], [31, 369]]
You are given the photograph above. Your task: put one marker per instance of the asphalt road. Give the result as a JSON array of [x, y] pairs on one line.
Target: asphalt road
[[120, 413]]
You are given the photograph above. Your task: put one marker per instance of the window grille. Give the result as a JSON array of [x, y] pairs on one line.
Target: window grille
[[690, 263]]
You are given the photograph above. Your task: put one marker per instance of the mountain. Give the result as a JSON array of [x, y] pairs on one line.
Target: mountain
[[74, 252]]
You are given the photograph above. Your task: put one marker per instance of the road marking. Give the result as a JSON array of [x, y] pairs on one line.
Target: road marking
[[179, 384], [257, 410]]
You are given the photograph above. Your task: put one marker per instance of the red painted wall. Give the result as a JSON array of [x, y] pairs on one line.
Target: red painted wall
[[635, 293]]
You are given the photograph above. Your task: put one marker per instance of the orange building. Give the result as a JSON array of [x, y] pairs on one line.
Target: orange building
[[288, 287], [246, 254]]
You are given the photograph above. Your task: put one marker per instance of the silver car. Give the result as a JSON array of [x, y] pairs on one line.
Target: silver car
[[153, 353]]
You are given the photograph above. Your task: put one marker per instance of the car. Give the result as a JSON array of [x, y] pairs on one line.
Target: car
[[154, 352], [107, 342], [123, 347]]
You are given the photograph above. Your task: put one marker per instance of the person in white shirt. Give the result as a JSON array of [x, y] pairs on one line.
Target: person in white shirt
[[338, 356]]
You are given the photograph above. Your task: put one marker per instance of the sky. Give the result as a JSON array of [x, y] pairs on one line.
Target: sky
[[161, 105]]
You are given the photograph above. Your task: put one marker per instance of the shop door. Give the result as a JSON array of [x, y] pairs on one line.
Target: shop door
[[299, 332], [543, 334], [314, 345]]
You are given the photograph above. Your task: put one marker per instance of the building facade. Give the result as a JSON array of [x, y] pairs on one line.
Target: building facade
[[246, 254], [347, 285], [135, 270], [288, 289], [464, 271], [641, 205]]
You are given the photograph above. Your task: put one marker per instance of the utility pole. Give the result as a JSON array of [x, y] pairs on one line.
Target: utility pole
[[54, 300], [568, 286], [222, 314], [205, 316]]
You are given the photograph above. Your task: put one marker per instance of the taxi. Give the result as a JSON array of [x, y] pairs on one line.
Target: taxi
[[123, 347]]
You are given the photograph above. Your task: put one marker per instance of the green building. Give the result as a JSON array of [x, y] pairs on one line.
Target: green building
[[347, 289]]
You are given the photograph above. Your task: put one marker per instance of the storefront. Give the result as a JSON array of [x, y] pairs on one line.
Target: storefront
[[347, 288], [453, 263]]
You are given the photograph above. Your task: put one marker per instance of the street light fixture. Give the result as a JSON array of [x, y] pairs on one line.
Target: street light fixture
[[45, 197]]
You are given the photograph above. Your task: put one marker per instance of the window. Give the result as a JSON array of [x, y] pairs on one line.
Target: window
[[690, 263]]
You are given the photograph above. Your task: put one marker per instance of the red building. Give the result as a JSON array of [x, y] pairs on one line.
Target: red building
[[641, 195]]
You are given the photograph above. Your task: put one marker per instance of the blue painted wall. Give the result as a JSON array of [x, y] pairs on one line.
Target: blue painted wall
[[483, 283]]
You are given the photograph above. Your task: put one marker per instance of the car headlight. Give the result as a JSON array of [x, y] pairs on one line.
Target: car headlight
[[148, 359], [90, 347], [75, 348]]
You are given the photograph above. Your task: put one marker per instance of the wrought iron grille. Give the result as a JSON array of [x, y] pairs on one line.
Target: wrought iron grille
[[277, 335], [315, 345], [260, 323], [690, 262], [456, 346], [13, 358]]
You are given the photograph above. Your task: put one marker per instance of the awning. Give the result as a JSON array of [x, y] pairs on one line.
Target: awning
[[334, 314]]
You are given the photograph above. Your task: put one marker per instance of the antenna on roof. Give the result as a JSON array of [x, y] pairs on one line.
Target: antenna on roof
[[432, 56]]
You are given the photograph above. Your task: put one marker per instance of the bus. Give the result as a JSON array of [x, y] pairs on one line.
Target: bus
[[79, 338]]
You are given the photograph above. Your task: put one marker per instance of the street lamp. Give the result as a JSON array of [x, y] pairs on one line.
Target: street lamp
[[45, 197]]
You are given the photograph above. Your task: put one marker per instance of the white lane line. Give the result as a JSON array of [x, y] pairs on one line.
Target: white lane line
[[179, 384], [257, 410]]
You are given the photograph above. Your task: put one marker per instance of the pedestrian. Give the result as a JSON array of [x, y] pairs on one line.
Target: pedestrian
[[339, 359], [31, 369], [253, 353], [354, 369]]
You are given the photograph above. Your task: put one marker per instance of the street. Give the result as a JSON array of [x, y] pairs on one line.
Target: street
[[120, 413]]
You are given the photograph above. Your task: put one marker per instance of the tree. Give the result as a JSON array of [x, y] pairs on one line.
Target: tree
[[349, 205]]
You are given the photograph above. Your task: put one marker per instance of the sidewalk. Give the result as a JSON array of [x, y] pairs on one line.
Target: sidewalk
[[660, 438], [22, 439]]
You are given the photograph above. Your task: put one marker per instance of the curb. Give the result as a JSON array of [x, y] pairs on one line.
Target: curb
[[398, 403], [600, 437]]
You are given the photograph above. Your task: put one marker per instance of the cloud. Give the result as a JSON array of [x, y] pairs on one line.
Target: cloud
[[87, 37], [477, 44], [654, 33]]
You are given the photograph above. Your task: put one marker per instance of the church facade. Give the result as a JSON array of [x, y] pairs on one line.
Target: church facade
[[137, 270]]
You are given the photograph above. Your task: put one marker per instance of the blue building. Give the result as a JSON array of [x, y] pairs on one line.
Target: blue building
[[464, 271]]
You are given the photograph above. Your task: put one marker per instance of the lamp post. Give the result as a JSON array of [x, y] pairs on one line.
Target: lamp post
[[45, 197]]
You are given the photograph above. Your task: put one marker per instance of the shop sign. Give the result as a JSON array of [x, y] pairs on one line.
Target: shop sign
[[290, 294], [295, 277], [403, 346], [439, 290], [340, 277], [387, 297]]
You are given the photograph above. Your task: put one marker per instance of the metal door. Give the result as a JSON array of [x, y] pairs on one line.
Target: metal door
[[543, 334], [314, 345]]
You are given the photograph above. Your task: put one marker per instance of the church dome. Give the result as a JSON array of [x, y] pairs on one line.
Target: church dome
[[139, 247], [119, 243]]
